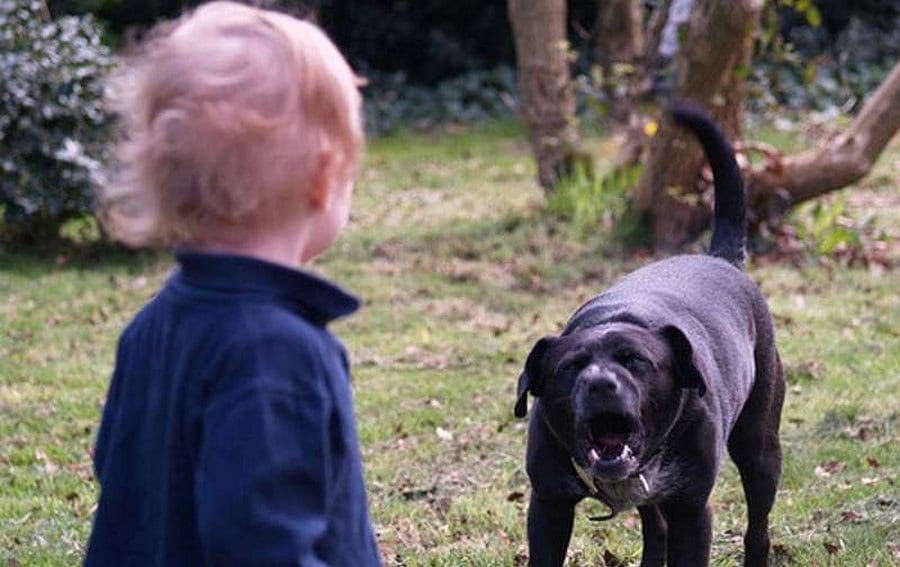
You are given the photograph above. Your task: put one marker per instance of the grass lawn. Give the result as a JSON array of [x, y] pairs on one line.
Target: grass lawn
[[460, 273]]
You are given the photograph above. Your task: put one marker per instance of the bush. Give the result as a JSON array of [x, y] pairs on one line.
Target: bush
[[817, 70], [52, 121], [429, 41], [391, 101], [593, 205]]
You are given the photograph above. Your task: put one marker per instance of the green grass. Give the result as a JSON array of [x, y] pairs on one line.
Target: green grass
[[461, 273]]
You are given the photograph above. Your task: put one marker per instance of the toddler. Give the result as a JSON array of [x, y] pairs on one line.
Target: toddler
[[228, 435]]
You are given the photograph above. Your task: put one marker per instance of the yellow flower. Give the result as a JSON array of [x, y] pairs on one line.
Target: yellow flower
[[650, 128]]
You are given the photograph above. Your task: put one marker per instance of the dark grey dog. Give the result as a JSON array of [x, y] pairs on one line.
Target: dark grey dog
[[648, 384]]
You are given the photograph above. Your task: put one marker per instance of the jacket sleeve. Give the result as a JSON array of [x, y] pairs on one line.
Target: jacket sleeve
[[111, 412], [262, 474]]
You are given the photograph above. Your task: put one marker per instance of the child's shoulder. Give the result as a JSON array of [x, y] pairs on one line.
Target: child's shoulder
[[223, 324], [274, 351], [246, 344]]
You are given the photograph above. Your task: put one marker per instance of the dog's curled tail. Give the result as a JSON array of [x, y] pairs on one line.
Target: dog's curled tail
[[729, 216]]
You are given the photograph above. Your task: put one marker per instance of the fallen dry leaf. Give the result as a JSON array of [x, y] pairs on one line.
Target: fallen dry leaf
[[515, 497], [884, 501], [825, 470], [631, 522], [832, 548], [419, 493], [849, 516], [781, 550], [441, 506], [895, 550], [444, 434], [612, 560]]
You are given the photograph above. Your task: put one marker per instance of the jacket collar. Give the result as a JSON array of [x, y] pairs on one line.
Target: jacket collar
[[316, 298]]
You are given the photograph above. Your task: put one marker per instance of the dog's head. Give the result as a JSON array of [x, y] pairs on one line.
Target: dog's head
[[610, 392]]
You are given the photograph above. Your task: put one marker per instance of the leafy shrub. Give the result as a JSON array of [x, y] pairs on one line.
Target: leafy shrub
[[593, 204], [813, 70], [430, 41], [52, 122], [391, 101], [830, 231]]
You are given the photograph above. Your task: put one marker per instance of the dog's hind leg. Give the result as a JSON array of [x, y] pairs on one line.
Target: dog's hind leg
[[756, 450], [654, 531], [549, 529]]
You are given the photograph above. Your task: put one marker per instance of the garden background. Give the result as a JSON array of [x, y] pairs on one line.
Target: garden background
[[463, 260]]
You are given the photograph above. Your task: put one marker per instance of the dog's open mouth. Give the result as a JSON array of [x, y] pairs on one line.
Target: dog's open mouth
[[609, 444]]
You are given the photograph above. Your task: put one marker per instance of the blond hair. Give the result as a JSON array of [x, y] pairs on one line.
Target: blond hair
[[226, 114]]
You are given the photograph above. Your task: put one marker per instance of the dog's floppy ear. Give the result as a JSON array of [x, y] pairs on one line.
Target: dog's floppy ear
[[684, 361], [530, 380]]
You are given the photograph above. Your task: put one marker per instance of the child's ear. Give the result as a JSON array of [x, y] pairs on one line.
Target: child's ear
[[322, 182]]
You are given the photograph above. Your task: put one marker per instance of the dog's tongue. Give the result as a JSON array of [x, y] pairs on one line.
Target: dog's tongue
[[611, 446], [611, 439]]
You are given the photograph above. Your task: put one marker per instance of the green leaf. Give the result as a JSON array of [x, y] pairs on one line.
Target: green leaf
[[741, 71], [810, 71], [813, 16]]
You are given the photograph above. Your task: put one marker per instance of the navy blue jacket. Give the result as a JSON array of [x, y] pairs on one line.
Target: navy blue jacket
[[228, 436]]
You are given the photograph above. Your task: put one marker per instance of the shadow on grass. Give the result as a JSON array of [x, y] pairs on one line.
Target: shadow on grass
[[67, 255]]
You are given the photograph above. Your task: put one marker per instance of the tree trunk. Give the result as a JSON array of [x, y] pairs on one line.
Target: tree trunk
[[654, 32], [709, 67], [840, 161], [618, 46], [634, 142], [547, 103]]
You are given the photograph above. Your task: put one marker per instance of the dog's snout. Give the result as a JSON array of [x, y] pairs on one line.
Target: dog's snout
[[604, 384], [600, 384]]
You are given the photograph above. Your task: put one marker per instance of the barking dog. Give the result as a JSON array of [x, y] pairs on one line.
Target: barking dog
[[649, 383]]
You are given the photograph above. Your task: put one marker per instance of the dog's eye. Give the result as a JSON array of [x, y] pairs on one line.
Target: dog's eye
[[573, 363], [632, 361]]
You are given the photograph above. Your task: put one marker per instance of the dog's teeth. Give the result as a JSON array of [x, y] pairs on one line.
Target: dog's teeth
[[593, 457]]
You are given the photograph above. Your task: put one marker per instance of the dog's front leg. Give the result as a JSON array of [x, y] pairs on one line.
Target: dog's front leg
[[549, 529], [654, 531], [690, 534]]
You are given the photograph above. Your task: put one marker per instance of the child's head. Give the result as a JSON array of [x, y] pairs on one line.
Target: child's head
[[236, 120]]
